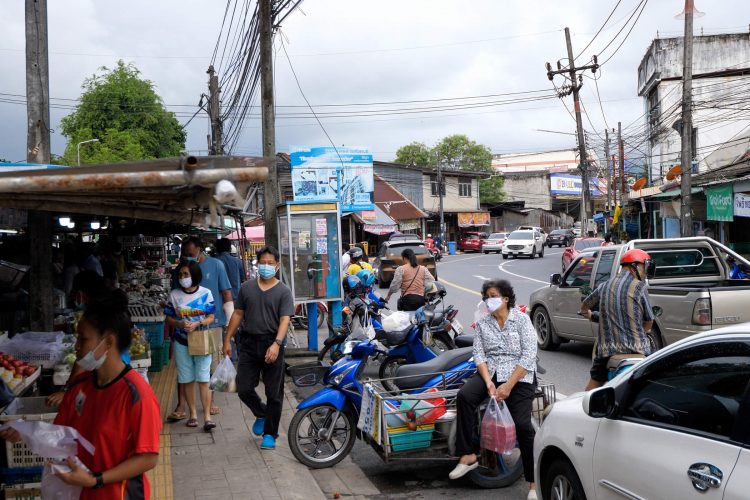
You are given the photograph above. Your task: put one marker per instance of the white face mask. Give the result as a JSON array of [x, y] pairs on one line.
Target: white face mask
[[186, 282], [90, 362], [494, 303]]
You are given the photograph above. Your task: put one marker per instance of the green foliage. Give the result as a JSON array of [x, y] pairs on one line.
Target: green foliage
[[124, 112], [491, 190], [416, 153]]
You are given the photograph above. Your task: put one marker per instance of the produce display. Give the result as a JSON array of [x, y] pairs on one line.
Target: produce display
[[139, 344], [13, 371]]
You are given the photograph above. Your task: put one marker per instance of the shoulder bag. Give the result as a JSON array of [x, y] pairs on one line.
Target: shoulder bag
[[400, 301]]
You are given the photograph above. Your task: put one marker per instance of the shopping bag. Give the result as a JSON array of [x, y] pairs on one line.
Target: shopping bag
[[199, 343], [498, 432], [223, 379]]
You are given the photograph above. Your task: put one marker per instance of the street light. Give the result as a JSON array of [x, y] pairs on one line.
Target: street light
[[78, 149]]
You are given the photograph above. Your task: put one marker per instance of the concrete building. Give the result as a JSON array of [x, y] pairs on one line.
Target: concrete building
[[721, 65], [563, 160]]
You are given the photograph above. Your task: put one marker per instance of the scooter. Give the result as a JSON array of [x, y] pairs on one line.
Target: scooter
[[434, 249]]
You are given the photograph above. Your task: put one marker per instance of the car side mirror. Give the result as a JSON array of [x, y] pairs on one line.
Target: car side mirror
[[599, 403], [555, 279], [658, 311]]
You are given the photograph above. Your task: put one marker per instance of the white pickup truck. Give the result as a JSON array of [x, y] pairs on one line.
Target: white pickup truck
[[691, 286]]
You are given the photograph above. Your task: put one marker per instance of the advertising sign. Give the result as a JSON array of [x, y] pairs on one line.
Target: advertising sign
[[317, 172], [566, 184], [720, 203], [468, 219], [741, 205]]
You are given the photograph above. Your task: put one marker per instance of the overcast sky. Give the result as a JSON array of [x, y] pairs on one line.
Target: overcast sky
[[346, 51]]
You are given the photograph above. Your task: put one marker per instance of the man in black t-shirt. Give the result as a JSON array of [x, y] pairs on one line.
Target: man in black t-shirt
[[261, 315]]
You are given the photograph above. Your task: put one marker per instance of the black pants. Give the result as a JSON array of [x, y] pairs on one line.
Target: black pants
[[252, 363], [519, 404], [410, 302]]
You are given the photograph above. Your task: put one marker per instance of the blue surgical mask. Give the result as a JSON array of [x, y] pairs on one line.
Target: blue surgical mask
[[266, 271], [190, 259]]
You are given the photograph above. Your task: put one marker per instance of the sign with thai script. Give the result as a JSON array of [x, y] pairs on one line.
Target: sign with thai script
[[720, 203], [741, 205]]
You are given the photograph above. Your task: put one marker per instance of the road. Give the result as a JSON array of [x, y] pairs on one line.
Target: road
[[567, 368]]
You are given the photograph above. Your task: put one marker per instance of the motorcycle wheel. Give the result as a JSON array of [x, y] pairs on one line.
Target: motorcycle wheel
[[442, 342], [309, 441], [302, 318], [388, 369]]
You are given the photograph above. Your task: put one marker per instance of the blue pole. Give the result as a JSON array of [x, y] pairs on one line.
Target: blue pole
[[312, 326], [336, 308]]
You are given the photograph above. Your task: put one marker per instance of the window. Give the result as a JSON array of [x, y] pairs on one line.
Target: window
[[434, 185], [464, 187], [684, 263], [604, 269], [588, 243], [394, 251], [580, 273], [698, 389]]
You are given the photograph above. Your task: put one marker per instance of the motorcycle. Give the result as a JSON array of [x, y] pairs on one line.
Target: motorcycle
[[434, 249], [300, 315]]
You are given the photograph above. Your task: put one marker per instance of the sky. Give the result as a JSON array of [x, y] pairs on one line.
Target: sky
[[346, 52]]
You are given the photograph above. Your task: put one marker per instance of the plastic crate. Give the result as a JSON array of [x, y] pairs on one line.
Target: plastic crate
[[28, 409], [29, 491], [154, 332], [20, 475], [159, 357], [402, 439]]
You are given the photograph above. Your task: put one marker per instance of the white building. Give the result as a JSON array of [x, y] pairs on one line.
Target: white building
[[562, 160]]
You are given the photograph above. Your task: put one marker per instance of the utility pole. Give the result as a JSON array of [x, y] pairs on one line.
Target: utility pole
[[214, 113], [440, 197], [270, 188], [609, 175], [576, 82], [621, 154], [40, 224], [686, 217]]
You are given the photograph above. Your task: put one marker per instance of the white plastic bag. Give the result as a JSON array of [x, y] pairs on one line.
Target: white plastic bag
[[480, 312], [397, 322], [498, 429], [223, 379]]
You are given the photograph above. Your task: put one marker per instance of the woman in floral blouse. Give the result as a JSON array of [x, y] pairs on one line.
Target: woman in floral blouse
[[505, 355]]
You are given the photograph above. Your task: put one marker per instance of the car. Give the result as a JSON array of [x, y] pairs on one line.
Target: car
[[494, 242], [523, 242], [471, 241], [673, 426], [535, 228], [403, 237], [389, 258], [560, 238], [576, 247]]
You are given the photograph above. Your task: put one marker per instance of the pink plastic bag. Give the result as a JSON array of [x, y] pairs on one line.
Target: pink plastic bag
[[498, 430]]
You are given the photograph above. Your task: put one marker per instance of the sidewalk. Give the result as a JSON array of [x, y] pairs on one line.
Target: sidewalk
[[228, 463]]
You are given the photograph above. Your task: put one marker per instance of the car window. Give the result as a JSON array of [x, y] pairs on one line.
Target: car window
[[580, 273], [520, 235], [604, 269], [395, 250], [558, 231], [684, 263], [588, 243], [497, 236], [697, 389]]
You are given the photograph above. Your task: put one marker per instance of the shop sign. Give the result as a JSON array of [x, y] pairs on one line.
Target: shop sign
[[741, 205], [720, 203], [565, 184], [380, 229], [409, 224], [328, 174], [369, 215], [468, 219]]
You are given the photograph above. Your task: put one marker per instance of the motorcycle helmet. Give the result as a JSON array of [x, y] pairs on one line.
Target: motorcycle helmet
[[634, 256], [350, 283], [434, 290], [355, 253], [366, 277]]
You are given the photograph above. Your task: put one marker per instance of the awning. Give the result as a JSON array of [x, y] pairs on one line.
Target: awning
[[393, 203], [254, 233], [381, 224], [673, 193]]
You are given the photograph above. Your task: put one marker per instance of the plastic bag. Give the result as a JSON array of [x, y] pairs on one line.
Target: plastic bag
[[55, 488], [397, 322], [223, 379], [498, 430]]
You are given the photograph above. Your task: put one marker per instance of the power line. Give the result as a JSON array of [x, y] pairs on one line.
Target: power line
[[626, 35], [599, 31]]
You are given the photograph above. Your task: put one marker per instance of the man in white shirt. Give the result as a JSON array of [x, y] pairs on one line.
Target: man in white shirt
[[345, 258]]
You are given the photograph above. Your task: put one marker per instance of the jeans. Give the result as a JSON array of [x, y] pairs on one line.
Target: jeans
[[252, 363], [520, 402]]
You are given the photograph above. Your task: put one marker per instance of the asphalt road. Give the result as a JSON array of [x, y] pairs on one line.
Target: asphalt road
[[567, 369]]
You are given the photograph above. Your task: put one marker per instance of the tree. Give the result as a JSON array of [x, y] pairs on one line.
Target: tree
[[416, 153], [124, 112]]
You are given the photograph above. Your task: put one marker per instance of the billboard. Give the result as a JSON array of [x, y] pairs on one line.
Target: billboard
[[469, 219], [570, 185], [318, 172]]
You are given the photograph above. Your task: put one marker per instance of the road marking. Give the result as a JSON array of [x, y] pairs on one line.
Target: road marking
[[519, 275], [480, 277], [450, 261], [473, 292]]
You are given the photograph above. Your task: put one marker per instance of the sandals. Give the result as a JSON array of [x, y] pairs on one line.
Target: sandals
[[176, 416], [193, 422], [209, 425], [215, 410]]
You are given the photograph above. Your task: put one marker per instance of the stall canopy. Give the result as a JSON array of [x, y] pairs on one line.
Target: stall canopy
[[376, 221], [178, 190], [254, 233]]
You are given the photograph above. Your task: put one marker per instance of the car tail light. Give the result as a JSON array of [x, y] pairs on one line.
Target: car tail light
[[702, 312]]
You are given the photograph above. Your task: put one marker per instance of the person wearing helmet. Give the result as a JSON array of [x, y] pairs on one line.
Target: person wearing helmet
[[357, 264], [366, 277], [625, 314]]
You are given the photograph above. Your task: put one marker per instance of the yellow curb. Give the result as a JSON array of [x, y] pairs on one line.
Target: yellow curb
[[160, 477]]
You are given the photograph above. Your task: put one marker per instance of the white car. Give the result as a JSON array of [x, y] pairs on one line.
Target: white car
[[535, 228], [494, 242], [523, 243], [675, 426]]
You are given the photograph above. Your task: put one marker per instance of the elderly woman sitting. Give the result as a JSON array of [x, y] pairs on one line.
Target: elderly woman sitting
[[505, 355]]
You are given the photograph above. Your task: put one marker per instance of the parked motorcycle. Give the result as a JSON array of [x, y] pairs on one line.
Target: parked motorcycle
[[300, 315]]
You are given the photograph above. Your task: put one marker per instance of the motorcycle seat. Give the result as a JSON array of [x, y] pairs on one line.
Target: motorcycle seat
[[416, 375], [464, 340]]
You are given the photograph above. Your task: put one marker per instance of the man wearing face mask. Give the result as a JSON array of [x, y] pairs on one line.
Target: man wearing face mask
[[625, 314], [261, 314]]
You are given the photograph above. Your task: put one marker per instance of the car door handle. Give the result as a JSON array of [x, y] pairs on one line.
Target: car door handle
[[705, 476]]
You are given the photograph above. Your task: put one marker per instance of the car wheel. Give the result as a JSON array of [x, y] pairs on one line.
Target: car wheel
[[505, 256], [532, 254], [541, 254], [486, 252], [544, 330], [654, 339], [560, 482]]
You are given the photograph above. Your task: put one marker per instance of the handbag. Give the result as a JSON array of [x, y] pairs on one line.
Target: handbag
[[400, 301], [199, 343]]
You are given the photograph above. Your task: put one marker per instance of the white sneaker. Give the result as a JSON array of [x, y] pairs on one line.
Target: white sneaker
[[531, 495], [461, 470]]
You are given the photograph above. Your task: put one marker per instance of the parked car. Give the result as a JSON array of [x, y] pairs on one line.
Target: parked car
[[691, 286], [535, 228], [560, 238], [673, 427], [523, 242], [576, 247], [389, 258], [494, 242], [471, 241]]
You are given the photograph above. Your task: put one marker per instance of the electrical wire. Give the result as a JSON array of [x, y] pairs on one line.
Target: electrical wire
[[598, 31]]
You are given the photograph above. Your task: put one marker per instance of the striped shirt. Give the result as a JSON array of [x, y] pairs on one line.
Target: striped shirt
[[623, 307]]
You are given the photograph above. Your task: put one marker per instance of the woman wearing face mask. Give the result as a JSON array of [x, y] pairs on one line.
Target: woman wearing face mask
[[191, 307], [111, 405], [505, 354]]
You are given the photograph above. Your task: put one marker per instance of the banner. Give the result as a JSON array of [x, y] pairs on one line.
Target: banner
[[317, 172], [741, 205], [468, 219], [720, 203], [565, 184]]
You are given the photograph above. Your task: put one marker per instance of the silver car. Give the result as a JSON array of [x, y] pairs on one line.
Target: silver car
[[494, 242]]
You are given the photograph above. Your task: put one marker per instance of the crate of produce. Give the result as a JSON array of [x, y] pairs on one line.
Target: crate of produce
[[154, 331], [27, 491], [28, 409], [17, 476], [33, 349], [402, 439]]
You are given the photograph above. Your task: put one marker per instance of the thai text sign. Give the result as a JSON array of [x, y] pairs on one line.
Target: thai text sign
[[720, 203], [564, 184], [468, 219], [741, 205]]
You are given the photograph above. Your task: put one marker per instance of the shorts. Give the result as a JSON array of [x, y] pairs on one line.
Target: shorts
[[191, 368], [216, 343], [599, 370]]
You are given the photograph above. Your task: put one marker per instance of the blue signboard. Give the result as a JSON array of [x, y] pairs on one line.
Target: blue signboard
[[565, 184], [20, 167], [318, 172]]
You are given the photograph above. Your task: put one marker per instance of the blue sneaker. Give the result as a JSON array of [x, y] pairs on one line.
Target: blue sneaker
[[258, 426], [269, 442]]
